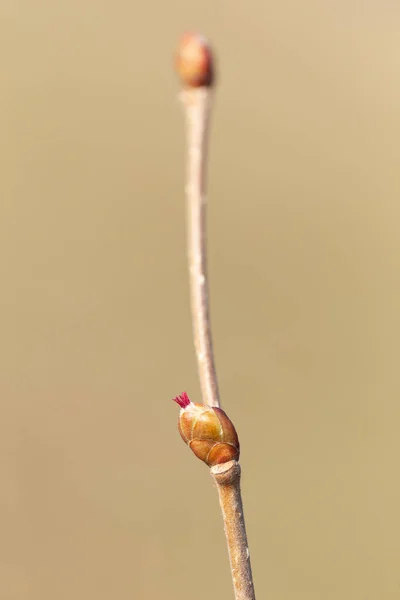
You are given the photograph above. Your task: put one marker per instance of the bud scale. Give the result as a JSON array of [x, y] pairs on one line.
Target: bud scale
[[208, 432]]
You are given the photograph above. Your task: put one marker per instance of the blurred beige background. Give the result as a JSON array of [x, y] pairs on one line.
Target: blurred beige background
[[99, 497]]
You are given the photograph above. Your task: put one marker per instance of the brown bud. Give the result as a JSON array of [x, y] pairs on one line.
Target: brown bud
[[194, 61], [207, 431]]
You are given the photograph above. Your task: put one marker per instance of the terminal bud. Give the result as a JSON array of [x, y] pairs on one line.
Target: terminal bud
[[194, 61]]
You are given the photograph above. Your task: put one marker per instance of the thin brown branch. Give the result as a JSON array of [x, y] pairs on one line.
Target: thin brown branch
[[227, 478], [196, 69], [197, 103]]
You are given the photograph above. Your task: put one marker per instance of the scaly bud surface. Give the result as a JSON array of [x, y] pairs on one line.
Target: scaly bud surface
[[194, 61], [208, 432]]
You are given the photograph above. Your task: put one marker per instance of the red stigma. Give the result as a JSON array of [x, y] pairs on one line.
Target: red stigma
[[183, 400]]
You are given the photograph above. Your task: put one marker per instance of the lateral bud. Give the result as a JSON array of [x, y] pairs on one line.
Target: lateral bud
[[208, 432]]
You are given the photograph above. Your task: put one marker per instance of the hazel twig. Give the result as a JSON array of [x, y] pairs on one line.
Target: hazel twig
[[195, 67], [206, 428], [227, 478]]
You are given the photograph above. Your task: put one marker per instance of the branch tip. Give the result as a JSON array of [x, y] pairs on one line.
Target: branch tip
[[194, 61]]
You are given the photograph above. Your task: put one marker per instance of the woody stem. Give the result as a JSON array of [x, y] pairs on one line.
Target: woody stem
[[197, 103], [227, 478], [196, 65]]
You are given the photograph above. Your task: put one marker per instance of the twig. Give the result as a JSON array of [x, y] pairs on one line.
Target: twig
[[227, 478], [197, 101], [195, 67]]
